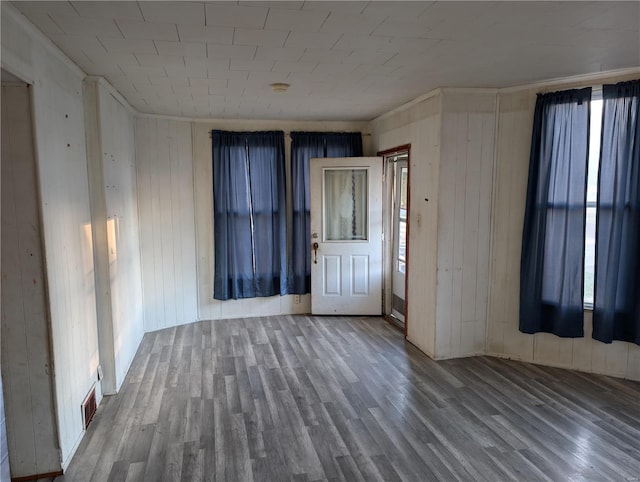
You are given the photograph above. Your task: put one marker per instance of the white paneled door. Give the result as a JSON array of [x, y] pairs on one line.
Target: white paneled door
[[346, 236]]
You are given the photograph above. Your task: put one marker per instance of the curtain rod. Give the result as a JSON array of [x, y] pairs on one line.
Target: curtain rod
[[288, 133]]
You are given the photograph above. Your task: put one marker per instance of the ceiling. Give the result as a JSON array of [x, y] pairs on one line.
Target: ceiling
[[343, 60]]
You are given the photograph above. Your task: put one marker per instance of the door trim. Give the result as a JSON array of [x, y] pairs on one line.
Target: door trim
[[404, 148]]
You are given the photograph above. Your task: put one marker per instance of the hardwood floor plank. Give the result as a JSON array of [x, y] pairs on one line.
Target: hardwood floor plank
[[347, 399]]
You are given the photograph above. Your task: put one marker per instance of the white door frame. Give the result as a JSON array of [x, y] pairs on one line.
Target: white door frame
[[346, 274], [388, 253]]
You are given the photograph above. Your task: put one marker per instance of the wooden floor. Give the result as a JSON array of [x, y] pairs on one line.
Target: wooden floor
[[333, 398]]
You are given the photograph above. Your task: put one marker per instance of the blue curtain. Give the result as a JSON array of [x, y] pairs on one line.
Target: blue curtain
[[617, 286], [304, 146], [551, 267], [249, 214]]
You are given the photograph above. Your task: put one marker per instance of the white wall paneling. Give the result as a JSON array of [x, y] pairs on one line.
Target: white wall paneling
[[451, 133], [509, 193], [208, 308], [164, 166], [26, 362], [466, 171], [418, 125], [62, 177], [114, 206]]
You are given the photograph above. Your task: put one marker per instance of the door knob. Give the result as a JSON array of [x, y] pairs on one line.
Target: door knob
[[315, 252]]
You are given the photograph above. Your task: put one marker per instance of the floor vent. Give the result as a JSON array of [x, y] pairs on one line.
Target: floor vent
[[89, 407]]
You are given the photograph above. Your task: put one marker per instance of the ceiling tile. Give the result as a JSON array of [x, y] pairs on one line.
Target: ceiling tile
[[111, 9], [191, 90], [206, 63], [231, 89], [311, 40], [158, 90], [398, 10], [227, 14], [132, 70], [264, 38], [179, 71], [187, 49], [125, 45], [169, 81], [352, 24], [46, 8], [336, 7], [292, 5], [366, 56], [403, 29], [147, 60], [77, 45], [283, 53], [244, 52], [147, 30], [324, 55], [251, 65], [75, 25], [191, 13], [284, 66], [197, 33], [227, 74], [333, 69], [351, 41], [298, 20], [340, 71], [215, 83], [121, 60]]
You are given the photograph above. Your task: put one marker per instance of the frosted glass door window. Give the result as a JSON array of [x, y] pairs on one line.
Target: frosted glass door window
[[345, 204]]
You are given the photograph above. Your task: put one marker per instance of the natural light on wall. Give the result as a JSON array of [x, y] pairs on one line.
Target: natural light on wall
[[592, 197]]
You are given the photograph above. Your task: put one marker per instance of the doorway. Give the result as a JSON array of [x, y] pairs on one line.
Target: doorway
[[346, 235], [396, 228]]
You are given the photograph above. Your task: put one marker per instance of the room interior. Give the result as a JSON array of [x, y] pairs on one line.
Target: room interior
[[107, 109]]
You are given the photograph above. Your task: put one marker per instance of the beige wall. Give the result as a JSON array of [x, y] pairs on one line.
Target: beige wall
[[114, 209], [466, 177], [418, 125], [451, 132], [174, 176], [61, 161], [164, 167], [503, 337], [26, 356]]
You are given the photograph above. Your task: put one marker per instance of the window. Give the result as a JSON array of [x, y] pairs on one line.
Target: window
[[553, 240], [249, 214], [592, 196]]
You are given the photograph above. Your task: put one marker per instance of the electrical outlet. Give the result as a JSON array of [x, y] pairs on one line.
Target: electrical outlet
[[296, 300]]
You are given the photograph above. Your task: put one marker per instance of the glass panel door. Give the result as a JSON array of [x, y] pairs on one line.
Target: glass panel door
[[345, 200], [400, 206]]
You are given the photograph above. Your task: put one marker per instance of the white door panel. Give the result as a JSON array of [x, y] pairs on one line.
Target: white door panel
[[346, 224]]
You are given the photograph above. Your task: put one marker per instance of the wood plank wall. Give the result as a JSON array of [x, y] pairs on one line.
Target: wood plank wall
[[466, 171], [63, 179], [61, 162], [420, 127], [26, 357], [164, 167], [122, 229], [503, 337]]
